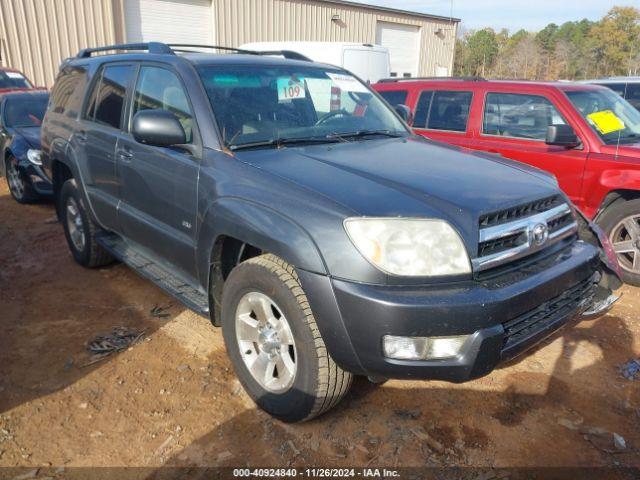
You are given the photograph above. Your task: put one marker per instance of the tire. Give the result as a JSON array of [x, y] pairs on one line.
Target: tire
[[621, 222], [318, 384], [20, 188], [79, 229]]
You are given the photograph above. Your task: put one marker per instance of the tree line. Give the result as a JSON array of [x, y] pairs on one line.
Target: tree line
[[571, 51]]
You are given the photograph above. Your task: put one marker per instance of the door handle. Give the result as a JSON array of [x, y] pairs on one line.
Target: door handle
[[125, 156], [81, 137]]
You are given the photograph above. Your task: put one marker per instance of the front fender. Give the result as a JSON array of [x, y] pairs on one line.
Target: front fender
[[259, 226]]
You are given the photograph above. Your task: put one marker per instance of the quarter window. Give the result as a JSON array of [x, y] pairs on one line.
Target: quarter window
[[111, 94], [66, 96], [443, 110], [519, 116], [160, 89]]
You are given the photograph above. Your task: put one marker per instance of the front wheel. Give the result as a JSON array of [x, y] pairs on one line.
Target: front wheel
[[274, 343], [21, 190], [621, 222]]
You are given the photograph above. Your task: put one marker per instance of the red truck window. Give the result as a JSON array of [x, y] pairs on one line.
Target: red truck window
[[394, 97], [443, 110], [519, 116]]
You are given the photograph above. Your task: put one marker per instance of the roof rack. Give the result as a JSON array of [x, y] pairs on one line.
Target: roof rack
[[413, 79], [151, 47], [289, 54], [172, 48]]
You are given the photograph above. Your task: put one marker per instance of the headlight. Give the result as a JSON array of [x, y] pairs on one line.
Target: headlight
[[34, 156], [409, 246]]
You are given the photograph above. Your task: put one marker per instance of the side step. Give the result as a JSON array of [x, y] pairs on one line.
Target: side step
[[188, 295]]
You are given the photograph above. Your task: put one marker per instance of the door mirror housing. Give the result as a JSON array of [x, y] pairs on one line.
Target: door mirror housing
[[562, 135], [404, 112], [159, 128]]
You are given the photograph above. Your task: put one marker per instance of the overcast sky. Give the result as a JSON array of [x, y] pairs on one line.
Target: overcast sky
[[511, 14]]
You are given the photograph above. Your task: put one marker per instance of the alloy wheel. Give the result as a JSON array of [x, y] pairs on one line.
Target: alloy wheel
[[266, 343], [625, 238], [14, 179], [75, 224]]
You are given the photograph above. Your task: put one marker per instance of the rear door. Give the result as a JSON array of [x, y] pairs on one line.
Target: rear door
[[515, 126], [159, 185], [97, 136], [443, 115]]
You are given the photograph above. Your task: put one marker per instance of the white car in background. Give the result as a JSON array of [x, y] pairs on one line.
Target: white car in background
[[369, 62]]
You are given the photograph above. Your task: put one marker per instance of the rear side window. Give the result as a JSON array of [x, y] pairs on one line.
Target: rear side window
[[66, 96], [107, 99], [394, 97], [519, 116], [443, 110], [160, 89]]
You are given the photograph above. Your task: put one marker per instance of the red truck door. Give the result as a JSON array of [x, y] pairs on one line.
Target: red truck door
[[443, 115], [515, 126]]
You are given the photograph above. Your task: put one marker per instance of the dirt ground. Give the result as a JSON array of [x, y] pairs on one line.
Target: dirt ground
[[173, 398]]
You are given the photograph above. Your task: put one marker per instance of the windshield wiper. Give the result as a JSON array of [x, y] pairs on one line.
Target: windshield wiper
[[364, 133], [279, 142]]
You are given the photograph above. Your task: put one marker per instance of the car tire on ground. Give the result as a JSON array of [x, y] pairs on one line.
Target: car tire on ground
[[621, 222], [79, 229], [21, 190], [274, 343]]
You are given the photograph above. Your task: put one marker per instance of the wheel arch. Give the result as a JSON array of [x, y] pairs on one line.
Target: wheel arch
[[615, 196]]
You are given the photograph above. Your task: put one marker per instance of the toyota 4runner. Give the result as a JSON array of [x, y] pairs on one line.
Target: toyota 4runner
[[284, 200]]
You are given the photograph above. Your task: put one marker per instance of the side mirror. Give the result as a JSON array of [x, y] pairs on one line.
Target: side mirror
[[562, 135], [404, 112], [159, 128]]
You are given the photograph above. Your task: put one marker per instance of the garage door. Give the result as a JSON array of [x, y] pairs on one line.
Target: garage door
[[403, 42], [170, 21]]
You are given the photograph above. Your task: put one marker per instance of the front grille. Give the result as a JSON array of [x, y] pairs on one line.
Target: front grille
[[529, 230], [550, 313], [521, 211]]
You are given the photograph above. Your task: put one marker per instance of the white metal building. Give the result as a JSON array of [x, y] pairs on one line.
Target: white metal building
[[35, 35]]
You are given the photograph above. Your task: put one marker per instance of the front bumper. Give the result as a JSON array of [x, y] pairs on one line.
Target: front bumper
[[504, 316], [35, 175]]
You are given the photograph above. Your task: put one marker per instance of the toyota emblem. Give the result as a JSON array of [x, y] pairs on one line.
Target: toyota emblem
[[539, 234]]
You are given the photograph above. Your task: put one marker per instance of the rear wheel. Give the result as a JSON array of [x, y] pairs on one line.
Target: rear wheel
[[621, 222], [274, 343], [21, 190], [79, 229]]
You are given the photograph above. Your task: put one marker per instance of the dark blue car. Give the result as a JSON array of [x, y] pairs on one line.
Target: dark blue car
[[21, 116]]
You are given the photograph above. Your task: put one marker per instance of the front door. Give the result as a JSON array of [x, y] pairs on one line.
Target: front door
[[159, 185], [515, 126]]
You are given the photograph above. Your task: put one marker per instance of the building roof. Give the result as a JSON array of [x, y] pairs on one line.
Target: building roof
[[344, 3]]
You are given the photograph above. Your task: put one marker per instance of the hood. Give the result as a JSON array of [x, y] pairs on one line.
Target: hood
[[407, 177], [631, 151], [30, 134]]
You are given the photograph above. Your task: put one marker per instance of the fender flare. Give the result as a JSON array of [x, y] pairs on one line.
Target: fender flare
[[259, 226]]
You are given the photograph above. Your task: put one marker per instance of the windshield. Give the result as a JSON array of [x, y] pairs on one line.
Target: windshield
[[25, 111], [610, 115], [274, 105], [13, 80]]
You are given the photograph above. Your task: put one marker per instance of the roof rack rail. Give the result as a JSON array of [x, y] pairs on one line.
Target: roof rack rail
[[289, 54], [151, 47], [413, 79]]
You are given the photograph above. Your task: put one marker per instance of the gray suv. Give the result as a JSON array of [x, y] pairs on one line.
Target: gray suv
[[287, 202]]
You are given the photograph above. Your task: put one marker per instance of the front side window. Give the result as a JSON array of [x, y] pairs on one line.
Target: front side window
[[278, 103], [519, 116], [13, 80], [108, 99], [610, 115], [160, 89], [443, 110], [25, 110], [394, 97]]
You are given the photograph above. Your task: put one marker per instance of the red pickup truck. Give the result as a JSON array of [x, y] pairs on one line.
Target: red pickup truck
[[586, 135]]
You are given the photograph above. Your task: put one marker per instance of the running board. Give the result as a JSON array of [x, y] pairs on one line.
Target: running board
[[188, 295]]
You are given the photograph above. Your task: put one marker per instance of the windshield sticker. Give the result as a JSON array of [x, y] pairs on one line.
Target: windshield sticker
[[14, 75], [347, 83], [290, 88], [606, 121]]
